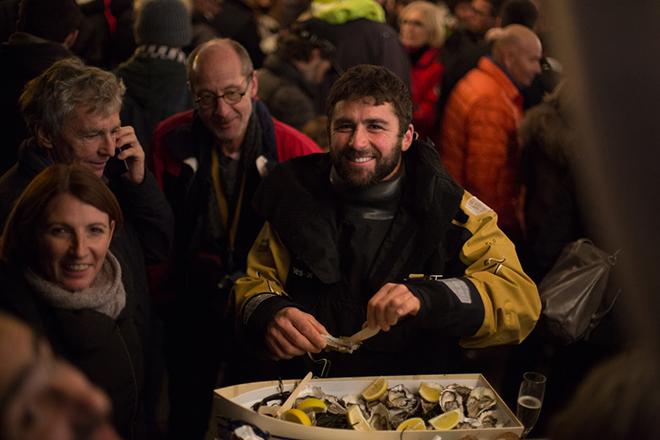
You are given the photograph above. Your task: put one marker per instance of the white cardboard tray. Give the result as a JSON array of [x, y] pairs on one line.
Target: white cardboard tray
[[235, 402]]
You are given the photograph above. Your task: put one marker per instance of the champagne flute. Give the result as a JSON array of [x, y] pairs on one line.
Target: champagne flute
[[530, 399]]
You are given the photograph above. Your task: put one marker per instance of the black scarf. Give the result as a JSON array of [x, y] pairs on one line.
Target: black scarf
[[259, 141]]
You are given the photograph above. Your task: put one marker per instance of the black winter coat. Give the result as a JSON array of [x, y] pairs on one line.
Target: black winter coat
[[155, 90], [145, 238], [110, 352]]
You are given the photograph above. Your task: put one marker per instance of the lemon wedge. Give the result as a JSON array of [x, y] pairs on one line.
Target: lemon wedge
[[414, 424], [375, 390], [312, 404], [447, 421], [356, 419], [430, 391], [296, 416]]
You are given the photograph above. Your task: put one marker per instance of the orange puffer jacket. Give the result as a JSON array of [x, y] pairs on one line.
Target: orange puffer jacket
[[479, 144]]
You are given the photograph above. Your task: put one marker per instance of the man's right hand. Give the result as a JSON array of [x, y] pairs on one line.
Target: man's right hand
[[294, 333]]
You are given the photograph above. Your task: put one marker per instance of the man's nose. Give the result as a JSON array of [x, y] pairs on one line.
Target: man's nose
[[108, 145], [222, 109], [360, 137]]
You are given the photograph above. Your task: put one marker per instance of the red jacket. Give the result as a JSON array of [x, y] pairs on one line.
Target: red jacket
[[289, 141], [479, 143], [425, 77], [181, 162]]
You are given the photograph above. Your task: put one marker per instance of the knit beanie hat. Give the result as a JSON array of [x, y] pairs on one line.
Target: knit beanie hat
[[163, 22]]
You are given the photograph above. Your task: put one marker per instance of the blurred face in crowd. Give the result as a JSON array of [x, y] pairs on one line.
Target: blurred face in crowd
[[73, 242], [463, 12], [88, 138], [218, 71], [482, 17], [413, 32], [315, 68], [523, 61], [43, 397], [365, 141]]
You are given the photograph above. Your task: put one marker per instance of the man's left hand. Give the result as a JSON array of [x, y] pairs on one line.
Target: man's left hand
[[132, 153], [391, 303]]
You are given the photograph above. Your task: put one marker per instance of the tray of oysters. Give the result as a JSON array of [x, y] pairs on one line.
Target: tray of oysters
[[446, 407]]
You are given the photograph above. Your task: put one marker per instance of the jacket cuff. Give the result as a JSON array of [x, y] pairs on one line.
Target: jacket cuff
[[259, 311], [451, 305]]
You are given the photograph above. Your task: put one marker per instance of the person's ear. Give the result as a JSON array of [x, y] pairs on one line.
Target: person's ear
[[408, 138], [44, 139], [255, 84], [507, 59], [70, 39], [112, 228]]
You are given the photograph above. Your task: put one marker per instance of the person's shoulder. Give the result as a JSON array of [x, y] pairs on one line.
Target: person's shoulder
[[302, 167], [292, 181], [291, 142], [176, 121], [170, 132], [477, 85], [423, 163]]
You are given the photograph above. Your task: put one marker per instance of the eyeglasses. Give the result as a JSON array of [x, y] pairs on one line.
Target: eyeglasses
[[415, 23], [208, 100]]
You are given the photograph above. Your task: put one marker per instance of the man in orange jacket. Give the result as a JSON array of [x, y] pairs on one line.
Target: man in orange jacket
[[478, 144]]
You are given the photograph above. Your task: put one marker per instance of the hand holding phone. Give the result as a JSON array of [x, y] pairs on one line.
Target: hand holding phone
[[130, 156], [116, 167]]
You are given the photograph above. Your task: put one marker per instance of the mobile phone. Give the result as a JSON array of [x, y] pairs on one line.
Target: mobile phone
[[116, 167]]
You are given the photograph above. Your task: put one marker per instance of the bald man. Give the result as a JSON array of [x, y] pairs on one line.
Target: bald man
[[479, 144], [209, 163], [42, 397]]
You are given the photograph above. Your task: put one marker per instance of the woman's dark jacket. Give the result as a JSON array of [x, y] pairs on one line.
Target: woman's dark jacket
[[110, 352]]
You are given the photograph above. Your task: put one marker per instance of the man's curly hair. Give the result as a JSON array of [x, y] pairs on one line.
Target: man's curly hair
[[376, 82]]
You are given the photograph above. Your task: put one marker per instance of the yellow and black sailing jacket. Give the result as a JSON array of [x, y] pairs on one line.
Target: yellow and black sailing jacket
[[443, 243]]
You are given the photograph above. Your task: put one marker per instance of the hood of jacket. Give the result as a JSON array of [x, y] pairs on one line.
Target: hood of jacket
[[149, 80]]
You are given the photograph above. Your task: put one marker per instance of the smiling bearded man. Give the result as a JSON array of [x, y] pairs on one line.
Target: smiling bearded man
[[365, 155], [377, 234]]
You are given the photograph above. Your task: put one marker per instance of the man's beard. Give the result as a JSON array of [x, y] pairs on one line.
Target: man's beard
[[385, 165]]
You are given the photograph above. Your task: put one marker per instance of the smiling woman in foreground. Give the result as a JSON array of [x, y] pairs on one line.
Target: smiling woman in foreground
[[59, 275]]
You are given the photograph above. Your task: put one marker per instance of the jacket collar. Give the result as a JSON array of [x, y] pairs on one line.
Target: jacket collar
[[430, 55], [298, 200], [191, 138], [32, 159], [490, 68]]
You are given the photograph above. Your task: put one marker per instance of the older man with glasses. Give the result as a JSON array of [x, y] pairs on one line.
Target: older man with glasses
[[209, 162]]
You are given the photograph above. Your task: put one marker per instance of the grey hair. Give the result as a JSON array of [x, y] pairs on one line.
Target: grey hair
[[434, 21], [49, 99], [246, 62]]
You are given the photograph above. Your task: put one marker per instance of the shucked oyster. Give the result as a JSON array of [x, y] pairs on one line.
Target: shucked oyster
[[334, 405], [488, 419], [380, 417], [400, 397], [479, 400], [463, 390], [397, 416], [401, 404], [342, 344], [451, 399], [348, 344]]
